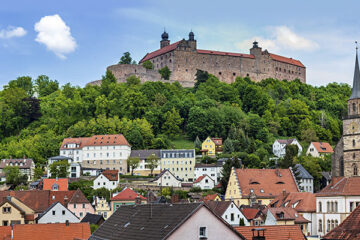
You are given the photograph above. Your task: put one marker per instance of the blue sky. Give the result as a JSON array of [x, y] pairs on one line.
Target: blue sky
[[74, 41]]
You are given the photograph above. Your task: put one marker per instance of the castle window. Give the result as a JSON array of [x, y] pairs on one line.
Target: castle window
[[276, 69], [186, 70], [353, 142], [354, 107], [355, 170], [247, 74], [219, 73], [328, 225], [234, 74], [170, 61], [320, 207], [353, 155]]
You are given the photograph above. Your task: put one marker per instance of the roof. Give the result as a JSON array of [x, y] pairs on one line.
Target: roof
[[145, 221], [323, 147], [286, 141], [96, 140], [286, 60], [112, 175], [250, 213], [210, 197], [160, 51], [52, 206], [61, 182], [355, 93], [225, 53], [162, 173], [93, 218], [302, 201], [78, 197], [217, 141], [22, 163], [127, 194], [5, 232], [287, 214], [301, 172], [55, 231], [144, 154], [60, 196], [348, 229], [276, 232], [341, 186], [210, 165], [265, 183], [219, 207]]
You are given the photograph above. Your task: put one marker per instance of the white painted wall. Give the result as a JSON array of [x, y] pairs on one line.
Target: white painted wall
[[279, 149], [205, 183], [213, 172], [168, 180], [102, 181], [312, 151], [307, 185], [234, 211], [270, 219], [58, 214]]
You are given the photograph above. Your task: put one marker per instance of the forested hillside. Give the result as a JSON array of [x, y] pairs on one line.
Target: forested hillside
[[37, 114]]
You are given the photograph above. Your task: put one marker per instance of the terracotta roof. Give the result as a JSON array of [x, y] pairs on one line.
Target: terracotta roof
[[265, 183], [276, 232], [219, 207], [286, 60], [199, 179], [96, 140], [210, 197], [159, 52], [79, 142], [127, 194], [341, 186], [78, 197], [323, 147], [112, 175], [5, 232], [61, 182], [225, 53], [35, 199], [284, 213], [55, 231], [250, 213], [348, 229], [60, 196], [217, 141], [305, 201], [21, 163]]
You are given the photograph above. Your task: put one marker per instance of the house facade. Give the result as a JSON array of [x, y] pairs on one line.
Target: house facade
[[166, 179], [211, 146], [74, 170], [279, 146], [79, 205], [25, 165], [204, 182], [102, 207], [305, 180], [13, 211], [57, 213], [126, 197], [227, 210], [180, 162], [319, 149], [213, 170], [108, 179], [142, 169]]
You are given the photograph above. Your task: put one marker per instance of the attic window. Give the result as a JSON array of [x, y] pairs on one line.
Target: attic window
[[254, 182], [285, 204], [280, 183], [295, 204], [262, 190]]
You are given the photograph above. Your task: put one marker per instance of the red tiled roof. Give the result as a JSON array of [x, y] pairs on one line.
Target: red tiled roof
[[323, 147], [60, 196], [112, 175], [127, 194], [306, 201], [34, 199], [286, 60], [348, 229], [210, 197], [219, 207], [78, 197], [276, 232], [21, 163], [225, 53], [5, 232], [288, 214], [265, 183], [56, 231], [217, 141], [78, 141], [96, 140], [249, 213], [61, 182], [341, 186], [200, 178], [160, 51]]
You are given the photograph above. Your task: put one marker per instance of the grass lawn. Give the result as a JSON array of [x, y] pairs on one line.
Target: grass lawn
[[182, 142]]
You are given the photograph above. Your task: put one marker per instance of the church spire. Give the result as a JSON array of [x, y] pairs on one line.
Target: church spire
[[356, 83]]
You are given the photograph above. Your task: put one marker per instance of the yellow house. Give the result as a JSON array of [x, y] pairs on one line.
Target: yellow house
[[211, 146], [102, 207], [14, 211], [249, 186]]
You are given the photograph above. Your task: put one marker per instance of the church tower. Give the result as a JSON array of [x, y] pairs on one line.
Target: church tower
[[351, 129]]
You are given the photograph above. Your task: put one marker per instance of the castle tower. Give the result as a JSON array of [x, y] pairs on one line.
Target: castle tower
[[192, 41], [351, 128], [164, 40], [255, 50]]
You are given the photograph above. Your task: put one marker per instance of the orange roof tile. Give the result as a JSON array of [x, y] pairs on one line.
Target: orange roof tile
[[210, 197], [250, 213], [96, 140], [217, 141], [112, 175], [79, 142], [277, 232], [127, 194], [265, 183], [200, 178], [287, 214], [55, 231], [323, 147], [61, 182], [5, 232], [160, 51], [286, 60], [341, 186], [305, 201]]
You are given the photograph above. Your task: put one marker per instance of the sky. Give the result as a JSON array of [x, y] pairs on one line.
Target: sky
[[74, 41]]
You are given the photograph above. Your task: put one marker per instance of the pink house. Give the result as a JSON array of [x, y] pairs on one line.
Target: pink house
[[79, 204]]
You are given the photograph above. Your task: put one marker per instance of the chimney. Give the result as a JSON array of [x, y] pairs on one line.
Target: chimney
[[258, 234], [174, 198], [284, 192], [67, 223], [137, 200]]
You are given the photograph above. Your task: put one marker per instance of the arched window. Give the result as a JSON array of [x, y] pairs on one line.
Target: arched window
[[354, 107], [353, 142], [354, 155], [327, 206], [320, 225], [355, 169], [336, 223], [328, 225], [336, 206], [332, 224], [320, 207], [332, 207]]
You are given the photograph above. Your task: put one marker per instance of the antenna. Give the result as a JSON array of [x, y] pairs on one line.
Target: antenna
[[356, 44]]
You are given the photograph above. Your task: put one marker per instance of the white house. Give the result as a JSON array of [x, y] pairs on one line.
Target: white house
[[108, 179], [319, 149], [306, 181], [74, 170], [279, 146], [204, 182], [166, 179], [108, 152], [227, 210], [57, 213], [94, 172], [335, 202], [213, 170]]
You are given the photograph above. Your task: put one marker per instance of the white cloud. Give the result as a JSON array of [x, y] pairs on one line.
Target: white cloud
[[11, 32], [55, 35]]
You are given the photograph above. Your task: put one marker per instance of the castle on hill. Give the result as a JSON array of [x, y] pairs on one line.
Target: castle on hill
[[184, 58]]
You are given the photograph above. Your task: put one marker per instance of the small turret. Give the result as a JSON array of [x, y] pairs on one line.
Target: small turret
[[354, 100], [164, 39], [192, 41]]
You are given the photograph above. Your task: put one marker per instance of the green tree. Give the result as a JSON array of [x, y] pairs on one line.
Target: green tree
[[197, 143], [24, 83], [44, 86], [228, 146], [165, 73], [201, 77], [151, 162], [59, 169], [132, 80], [230, 163], [173, 120], [38, 172], [290, 155], [148, 64], [14, 176], [126, 59], [133, 162]]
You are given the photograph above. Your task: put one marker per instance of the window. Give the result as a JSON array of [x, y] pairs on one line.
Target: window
[[327, 206], [83, 205], [328, 225], [53, 213], [355, 169], [336, 206], [332, 224], [232, 218], [351, 206], [353, 141], [6, 210], [74, 205], [320, 225], [354, 107], [81, 214], [5, 223], [63, 212], [202, 232], [320, 207]]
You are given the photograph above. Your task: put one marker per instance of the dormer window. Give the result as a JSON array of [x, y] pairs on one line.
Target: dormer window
[[280, 182], [254, 182]]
